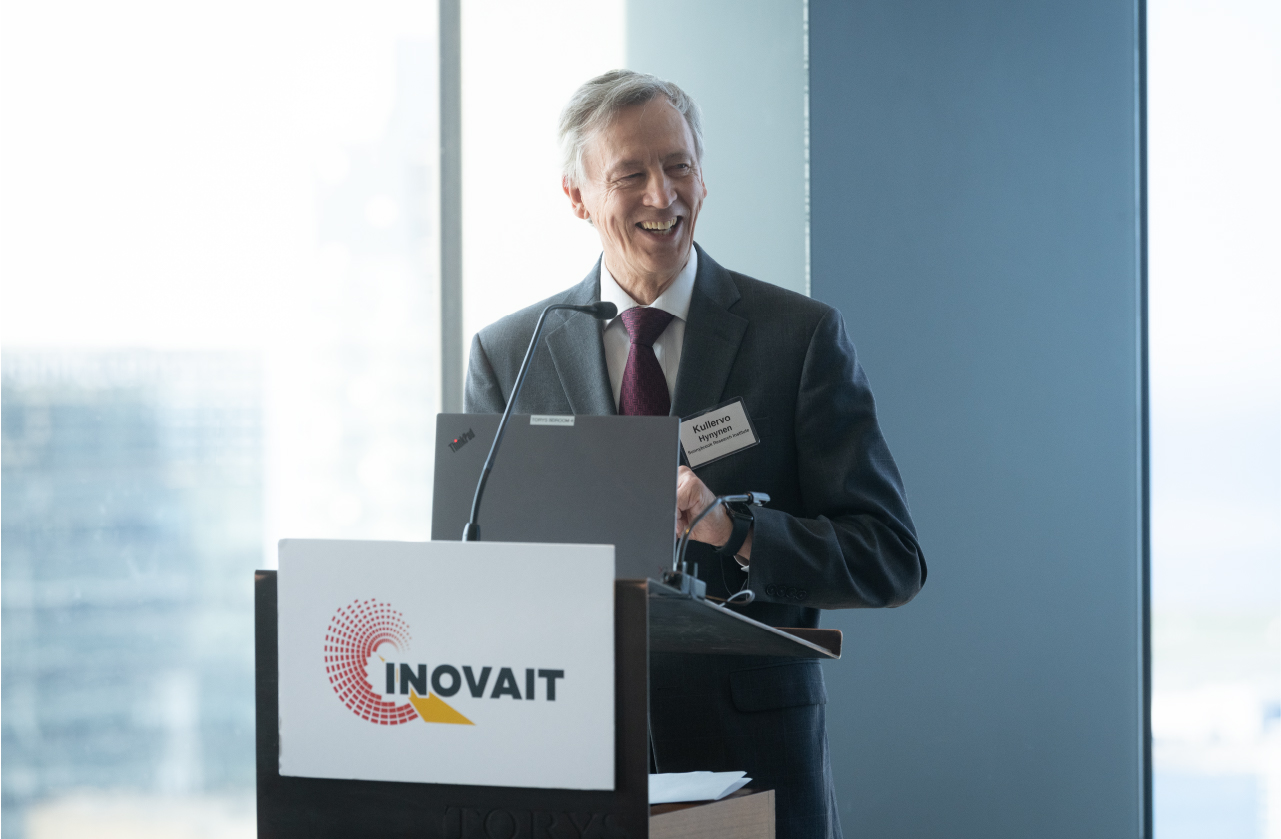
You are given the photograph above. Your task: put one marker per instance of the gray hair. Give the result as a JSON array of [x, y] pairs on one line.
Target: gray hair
[[599, 101]]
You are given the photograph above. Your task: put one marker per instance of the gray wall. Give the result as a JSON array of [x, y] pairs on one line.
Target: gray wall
[[975, 217], [743, 62]]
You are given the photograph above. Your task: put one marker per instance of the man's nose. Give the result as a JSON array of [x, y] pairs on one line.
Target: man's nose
[[659, 192]]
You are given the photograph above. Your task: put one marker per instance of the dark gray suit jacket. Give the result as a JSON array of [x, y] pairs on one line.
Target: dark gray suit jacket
[[836, 534]]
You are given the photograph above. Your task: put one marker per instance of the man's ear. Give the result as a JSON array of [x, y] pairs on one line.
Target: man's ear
[[575, 199]]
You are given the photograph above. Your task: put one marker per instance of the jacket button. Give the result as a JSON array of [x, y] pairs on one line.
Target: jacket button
[[771, 591], [802, 594]]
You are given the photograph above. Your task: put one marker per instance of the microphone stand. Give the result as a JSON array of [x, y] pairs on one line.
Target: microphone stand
[[601, 311]]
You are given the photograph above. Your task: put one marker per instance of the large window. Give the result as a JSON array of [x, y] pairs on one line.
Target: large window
[[521, 63], [1215, 287], [219, 328]]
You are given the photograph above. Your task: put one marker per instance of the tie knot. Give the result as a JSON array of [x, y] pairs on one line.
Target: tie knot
[[645, 324]]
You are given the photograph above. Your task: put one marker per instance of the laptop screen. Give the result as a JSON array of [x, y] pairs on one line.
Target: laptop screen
[[605, 480]]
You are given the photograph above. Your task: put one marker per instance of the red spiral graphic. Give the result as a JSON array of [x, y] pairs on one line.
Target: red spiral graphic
[[353, 635]]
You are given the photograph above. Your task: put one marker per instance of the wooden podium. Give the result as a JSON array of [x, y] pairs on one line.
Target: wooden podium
[[744, 815], [647, 616]]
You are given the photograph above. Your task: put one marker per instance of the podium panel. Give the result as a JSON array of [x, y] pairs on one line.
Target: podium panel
[[320, 807], [744, 815]]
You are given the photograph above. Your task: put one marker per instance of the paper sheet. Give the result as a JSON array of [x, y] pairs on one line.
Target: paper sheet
[[694, 786]]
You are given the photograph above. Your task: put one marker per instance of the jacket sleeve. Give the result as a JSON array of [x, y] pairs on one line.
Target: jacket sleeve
[[855, 545], [483, 393]]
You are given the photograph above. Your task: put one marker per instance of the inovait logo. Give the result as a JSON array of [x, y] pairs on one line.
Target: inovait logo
[[355, 634], [365, 643]]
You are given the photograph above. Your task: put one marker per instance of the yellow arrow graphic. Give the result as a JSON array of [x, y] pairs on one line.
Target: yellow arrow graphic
[[434, 709]]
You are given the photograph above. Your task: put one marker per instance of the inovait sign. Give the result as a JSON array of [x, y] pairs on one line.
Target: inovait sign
[[366, 636], [447, 662]]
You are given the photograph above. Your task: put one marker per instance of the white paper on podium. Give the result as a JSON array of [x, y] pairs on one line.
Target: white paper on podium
[[674, 787], [447, 662]]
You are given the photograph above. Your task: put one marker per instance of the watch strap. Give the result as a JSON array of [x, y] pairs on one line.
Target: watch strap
[[741, 517]]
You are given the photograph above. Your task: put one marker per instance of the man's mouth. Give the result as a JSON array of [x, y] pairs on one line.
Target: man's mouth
[[660, 228]]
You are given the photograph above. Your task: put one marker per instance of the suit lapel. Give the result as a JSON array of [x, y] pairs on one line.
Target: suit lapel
[[712, 338], [578, 353]]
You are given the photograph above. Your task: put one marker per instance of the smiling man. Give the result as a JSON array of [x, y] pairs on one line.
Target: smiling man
[[691, 336]]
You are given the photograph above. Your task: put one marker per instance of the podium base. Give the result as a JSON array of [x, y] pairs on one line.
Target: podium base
[[743, 815]]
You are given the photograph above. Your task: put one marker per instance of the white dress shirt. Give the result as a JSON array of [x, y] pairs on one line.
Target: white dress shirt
[[668, 346]]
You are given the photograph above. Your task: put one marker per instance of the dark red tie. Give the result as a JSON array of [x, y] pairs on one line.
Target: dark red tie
[[644, 390]]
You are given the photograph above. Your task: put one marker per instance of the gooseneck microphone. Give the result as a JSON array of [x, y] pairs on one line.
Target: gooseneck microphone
[[601, 310]]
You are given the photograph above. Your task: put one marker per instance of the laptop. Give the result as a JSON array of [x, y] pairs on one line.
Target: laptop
[[603, 480]]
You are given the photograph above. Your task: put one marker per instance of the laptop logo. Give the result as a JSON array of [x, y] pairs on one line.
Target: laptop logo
[[461, 440]]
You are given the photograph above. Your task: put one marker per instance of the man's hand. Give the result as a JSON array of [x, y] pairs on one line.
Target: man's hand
[[692, 498]]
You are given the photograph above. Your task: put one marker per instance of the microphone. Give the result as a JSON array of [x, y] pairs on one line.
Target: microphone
[[601, 310], [681, 576]]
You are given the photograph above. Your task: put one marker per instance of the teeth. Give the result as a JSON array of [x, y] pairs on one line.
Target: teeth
[[659, 225]]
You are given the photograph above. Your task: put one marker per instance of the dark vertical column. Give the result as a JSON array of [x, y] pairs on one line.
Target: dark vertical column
[[977, 217], [452, 358]]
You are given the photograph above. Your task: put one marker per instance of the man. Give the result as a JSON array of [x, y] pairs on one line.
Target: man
[[691, 336]]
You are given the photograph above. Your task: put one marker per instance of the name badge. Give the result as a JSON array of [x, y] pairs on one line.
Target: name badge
[[716, 433]]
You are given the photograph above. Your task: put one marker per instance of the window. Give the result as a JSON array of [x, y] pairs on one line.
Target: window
[[1214, 130], [220, 328], [518, 72]]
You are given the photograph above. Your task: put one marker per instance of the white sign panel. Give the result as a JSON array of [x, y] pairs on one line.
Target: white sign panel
[[447, 662]]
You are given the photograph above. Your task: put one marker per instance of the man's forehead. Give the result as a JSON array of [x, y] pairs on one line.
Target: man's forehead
[[640, 153], [640, 134]]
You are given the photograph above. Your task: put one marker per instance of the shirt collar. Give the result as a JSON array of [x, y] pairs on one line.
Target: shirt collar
[[675, 299]]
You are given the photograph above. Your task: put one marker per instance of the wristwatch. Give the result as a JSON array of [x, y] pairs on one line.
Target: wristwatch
[[741, 516]]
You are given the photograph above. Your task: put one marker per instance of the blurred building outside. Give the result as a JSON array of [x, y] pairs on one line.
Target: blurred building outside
[[132, 522], [1214, 197]]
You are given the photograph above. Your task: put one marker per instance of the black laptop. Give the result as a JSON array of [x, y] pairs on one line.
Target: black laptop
[[602, 480]]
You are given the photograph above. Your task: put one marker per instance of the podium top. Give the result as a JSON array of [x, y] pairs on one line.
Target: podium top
[[680, 624]]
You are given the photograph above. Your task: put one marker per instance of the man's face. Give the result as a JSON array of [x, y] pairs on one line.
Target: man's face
[[642, 190]]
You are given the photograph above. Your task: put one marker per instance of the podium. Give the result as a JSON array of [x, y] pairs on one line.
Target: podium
[[648, 616]]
